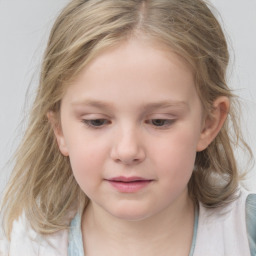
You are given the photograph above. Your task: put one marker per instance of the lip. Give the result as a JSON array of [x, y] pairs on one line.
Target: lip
[[129, 184]]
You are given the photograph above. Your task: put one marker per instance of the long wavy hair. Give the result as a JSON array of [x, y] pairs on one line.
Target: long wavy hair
[[42, 184]]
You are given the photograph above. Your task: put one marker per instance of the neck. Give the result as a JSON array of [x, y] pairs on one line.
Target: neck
[[168, 232]]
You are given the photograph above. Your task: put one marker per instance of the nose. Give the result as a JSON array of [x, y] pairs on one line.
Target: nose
[[127, 147]]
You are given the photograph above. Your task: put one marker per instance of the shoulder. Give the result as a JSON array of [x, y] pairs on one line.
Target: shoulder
[[25, 241], [250, 210], [4, 244], [223, 230], [251, 204]]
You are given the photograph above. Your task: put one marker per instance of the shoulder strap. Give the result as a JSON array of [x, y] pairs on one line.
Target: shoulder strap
[[251, 221]]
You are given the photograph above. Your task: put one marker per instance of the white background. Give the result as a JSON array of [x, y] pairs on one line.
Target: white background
[[24, 27]]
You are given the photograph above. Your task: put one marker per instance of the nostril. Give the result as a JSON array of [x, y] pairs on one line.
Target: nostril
[[127, 149]]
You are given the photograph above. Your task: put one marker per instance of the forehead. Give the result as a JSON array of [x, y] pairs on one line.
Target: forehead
[[136, 52], [139, 69]]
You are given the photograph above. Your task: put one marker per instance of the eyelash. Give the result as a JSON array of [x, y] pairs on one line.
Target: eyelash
[[157, 123], [90, 122], [164, 123]]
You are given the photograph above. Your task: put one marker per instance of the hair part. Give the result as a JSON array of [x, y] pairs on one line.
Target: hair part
[[42, 184]]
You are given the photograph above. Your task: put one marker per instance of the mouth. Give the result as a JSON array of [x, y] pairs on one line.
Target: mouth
[[129, 184]]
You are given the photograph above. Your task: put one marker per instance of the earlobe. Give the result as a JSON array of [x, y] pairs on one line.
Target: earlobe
[[55, 123], [213, 122]]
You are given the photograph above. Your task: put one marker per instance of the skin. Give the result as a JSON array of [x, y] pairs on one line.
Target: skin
[[134, 111]]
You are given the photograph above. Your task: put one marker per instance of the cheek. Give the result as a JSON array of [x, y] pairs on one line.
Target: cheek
[[87, 162], [176, 156], [84, 158], [177, 164], [84, 168]]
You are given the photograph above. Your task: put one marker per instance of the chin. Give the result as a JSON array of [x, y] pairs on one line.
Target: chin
[[130, 214]]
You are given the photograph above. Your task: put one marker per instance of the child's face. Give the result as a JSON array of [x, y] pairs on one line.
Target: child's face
[[131, 125]]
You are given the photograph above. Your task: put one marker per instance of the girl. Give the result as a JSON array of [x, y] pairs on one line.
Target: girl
[[129, 145]]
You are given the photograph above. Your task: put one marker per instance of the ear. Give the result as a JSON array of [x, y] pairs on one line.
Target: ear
[[56, 126], [213, 122]]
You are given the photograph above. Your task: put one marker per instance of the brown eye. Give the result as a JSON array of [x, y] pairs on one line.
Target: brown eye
[[96, 122], [159, 122]]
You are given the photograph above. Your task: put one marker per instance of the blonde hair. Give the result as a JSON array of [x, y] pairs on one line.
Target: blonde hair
[[42, 184]]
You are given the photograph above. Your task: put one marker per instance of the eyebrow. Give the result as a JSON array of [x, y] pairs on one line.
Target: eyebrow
[[147, 107], [165, 104], [93, 103]]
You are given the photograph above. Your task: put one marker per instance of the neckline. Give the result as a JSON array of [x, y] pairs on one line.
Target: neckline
[[75, 239], [193, 244]]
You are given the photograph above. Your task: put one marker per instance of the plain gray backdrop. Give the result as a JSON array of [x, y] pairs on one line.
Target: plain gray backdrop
[[24, 28]]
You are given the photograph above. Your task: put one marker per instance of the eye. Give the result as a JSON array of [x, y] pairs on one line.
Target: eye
[[160, 122], [96, 123]]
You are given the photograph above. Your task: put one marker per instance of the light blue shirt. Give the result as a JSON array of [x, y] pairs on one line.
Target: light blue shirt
[[251, 222], [75, 244], [75, 247]]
